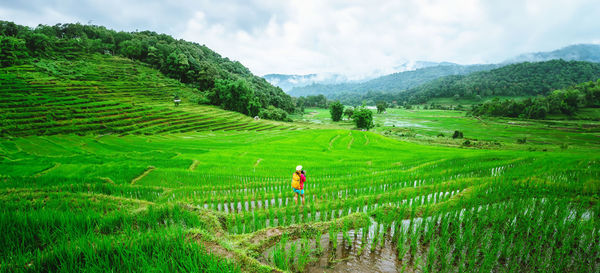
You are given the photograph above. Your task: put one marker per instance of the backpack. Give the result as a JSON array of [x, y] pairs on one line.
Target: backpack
[[296, 181]]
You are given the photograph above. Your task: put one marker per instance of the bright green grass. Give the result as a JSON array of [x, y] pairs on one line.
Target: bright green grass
[[425, 126], [154, 188], [467, 102], [72, 195]]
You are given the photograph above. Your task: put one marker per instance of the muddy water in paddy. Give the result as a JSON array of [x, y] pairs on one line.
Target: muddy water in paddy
[[354, 256], [381, 259]]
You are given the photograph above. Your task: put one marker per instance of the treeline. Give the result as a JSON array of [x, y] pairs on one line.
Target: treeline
[[522, 79], [356, 93], [563, 101], [319, 101], [188, 62]]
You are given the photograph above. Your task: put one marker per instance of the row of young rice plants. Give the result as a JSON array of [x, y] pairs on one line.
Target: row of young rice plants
[[548, 235], [221, 171], [521, 234], [252, 193], [73, 228], [424, 240]]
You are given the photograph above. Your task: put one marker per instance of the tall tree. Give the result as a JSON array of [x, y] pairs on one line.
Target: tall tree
[[381, 106], [363, 118], [336, 109]]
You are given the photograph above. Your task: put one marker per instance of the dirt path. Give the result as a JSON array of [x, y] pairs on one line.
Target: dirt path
[[193, 165], [333, 141], [43, 172], [150, 168]]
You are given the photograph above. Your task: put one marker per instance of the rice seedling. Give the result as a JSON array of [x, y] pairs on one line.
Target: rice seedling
[[443, 209]]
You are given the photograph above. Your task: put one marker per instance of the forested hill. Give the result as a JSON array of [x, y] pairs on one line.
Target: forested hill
[[522, 79], [581, 52], [389, 83], [219, 81]]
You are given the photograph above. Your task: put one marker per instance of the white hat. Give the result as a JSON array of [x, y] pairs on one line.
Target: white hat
[[299, 168]]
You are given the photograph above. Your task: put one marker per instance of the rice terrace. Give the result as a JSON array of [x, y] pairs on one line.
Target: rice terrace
[[138, 152]]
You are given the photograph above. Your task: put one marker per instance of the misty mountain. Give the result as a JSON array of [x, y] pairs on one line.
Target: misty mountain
[[390, 83], [288, 82], [581, 52], [413, 74], [527, 79]]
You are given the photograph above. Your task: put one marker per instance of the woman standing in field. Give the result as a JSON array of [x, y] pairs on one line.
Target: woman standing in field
[[298, 179]]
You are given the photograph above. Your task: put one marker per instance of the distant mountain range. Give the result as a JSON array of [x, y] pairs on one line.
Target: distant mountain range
[[287, 82], [413, 74], [581, 52], [389, 83]]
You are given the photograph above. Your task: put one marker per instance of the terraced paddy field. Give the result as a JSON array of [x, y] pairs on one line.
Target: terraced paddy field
[[436, 127], [100, 172], [103, 94], [220, 201]]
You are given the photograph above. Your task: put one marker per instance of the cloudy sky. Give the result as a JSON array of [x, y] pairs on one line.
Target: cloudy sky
[[351, 37]]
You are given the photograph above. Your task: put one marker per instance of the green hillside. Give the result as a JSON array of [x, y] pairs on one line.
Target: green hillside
[[523, 79], [191, 63], [99, 94], [579, 52], [566, 102], [352, 93]]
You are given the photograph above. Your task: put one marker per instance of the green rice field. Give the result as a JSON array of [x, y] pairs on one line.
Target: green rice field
[[100, 172], [436, 127], [123, 202]]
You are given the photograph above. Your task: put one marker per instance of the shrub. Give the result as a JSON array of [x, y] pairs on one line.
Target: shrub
[[363, 118], [381, 106], [457, 134], [336, 109], [349, 112], [273, 113]]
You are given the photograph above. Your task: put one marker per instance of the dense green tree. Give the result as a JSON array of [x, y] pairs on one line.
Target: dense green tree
[[39, 44], [336, 109], [300, 104], [363, 118], [177, 65], [207, 75], [348, 112], [319, 101], [12, 51], [132, 49], [233, 95], [254, 108], [381, 106], [562, 101], [274, 113], [9, 29]]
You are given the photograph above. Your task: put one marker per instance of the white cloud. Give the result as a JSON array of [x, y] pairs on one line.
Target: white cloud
[[357, 38]]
